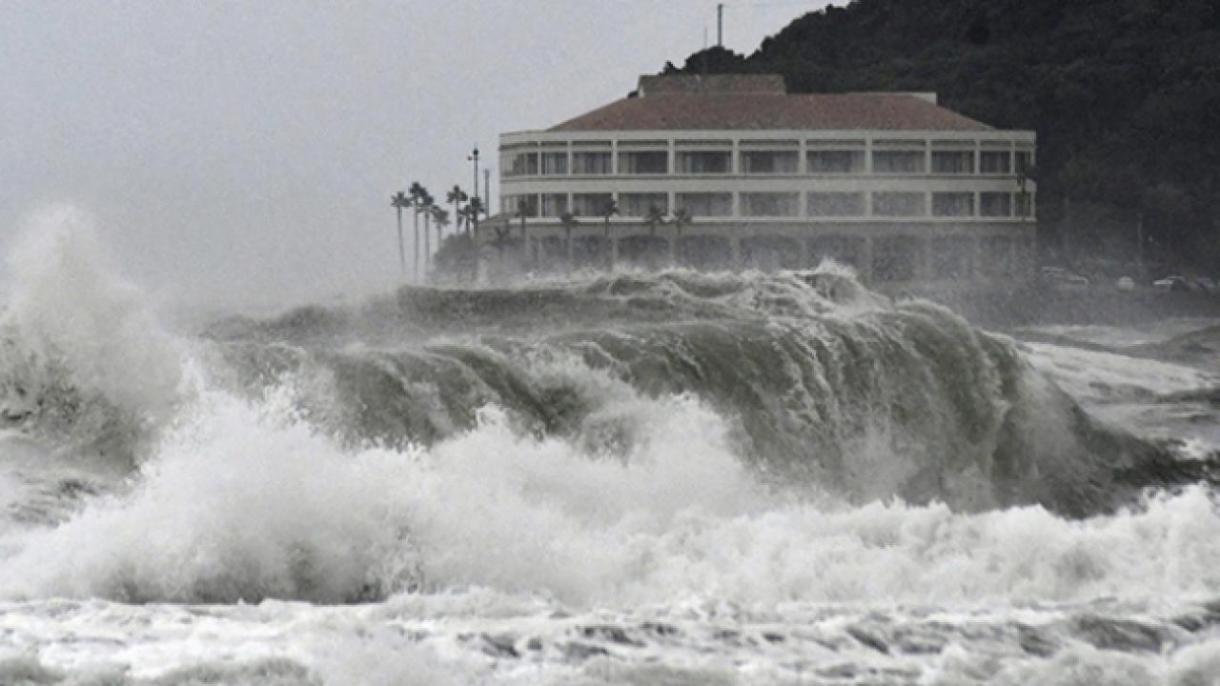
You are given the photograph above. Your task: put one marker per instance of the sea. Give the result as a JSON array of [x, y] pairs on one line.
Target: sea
[[631, 478]]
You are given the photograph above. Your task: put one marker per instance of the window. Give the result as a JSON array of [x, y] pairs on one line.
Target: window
[[899, 204], [637, 204], [554, 163], [705, 204], [591, 163], [952, 161], [995, 162], [836, 204], [770, 204], [953, 204], [898, 161], [1025, 161], [518, 203], [995, 204], [554, 204], [649, 162], [836, 161], [523, 164], [1025, 204], [590, 204], [769, 161], [704, 162]]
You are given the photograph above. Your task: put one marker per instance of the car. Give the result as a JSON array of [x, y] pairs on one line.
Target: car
[[1173, 282], [1125, 284], [1206, 284], [1060, 277]]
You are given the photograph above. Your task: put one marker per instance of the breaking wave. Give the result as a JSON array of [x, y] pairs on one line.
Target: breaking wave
[[756, 438]]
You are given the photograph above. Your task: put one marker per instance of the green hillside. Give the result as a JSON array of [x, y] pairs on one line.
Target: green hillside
[[1124, 95]]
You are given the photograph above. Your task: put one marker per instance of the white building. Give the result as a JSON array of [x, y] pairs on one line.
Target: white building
[[889, 182]]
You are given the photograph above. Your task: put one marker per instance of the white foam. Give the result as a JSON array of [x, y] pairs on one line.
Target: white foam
[[1101, 376], [68, 307], [245, 501]]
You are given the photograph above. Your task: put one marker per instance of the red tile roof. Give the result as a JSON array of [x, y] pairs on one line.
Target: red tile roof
[[733, 111]]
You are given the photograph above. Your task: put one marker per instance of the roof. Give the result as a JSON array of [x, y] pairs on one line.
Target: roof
[[758, 102], [722, 83]]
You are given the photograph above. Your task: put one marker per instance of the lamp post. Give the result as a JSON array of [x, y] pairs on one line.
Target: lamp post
[[474, 157]]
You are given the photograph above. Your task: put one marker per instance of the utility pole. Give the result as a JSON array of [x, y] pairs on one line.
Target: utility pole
[[487, 192], [720, 25]]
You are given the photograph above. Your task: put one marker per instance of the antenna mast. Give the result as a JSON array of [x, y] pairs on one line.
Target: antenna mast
[[720, 25]]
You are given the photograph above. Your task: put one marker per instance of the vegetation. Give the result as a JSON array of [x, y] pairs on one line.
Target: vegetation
[[454, 257], [455, 260], [399, 201], [1124, 95]]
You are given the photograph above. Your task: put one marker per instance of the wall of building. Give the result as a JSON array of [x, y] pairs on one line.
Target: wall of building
[[880, 252], [910, 205]]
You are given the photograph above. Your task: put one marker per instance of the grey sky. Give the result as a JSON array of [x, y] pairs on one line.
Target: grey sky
[[246, 152]]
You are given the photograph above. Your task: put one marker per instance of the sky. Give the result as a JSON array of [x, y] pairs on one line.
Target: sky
[[245, 152]]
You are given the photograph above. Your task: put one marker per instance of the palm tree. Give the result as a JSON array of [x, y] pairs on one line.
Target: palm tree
[[471, 211], [569, 222], [523, 211], [502, 240], [440, 216], [681, 217], [610, 210], [399, 201], [654, 218], [426, 208], [456, 196], [416, 192]]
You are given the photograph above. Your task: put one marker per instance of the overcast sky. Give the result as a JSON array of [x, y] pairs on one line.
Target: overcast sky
[[246, 151]]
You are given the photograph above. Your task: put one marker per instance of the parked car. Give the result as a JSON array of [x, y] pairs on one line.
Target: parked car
[[1208, 284], [1060, 277], [1125, 284], [1174, 282]]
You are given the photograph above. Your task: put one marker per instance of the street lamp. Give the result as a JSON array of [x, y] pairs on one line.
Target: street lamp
[[474, 157]]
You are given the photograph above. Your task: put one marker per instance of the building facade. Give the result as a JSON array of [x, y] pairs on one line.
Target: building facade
[[721, 172]]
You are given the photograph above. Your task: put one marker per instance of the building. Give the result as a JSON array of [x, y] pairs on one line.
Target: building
[[892, 183]]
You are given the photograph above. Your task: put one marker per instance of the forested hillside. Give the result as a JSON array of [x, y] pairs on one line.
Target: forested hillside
[[1124, 95]]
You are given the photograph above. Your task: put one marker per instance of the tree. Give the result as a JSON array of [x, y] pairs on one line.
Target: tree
[[455, 259], [471, 212], [440, 217], [416, 192], [654, 218], [681, 217], [399, 201], [502, 240], [456, 196], [569, 222], [608, 211], [523, 211], [427, 203]]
